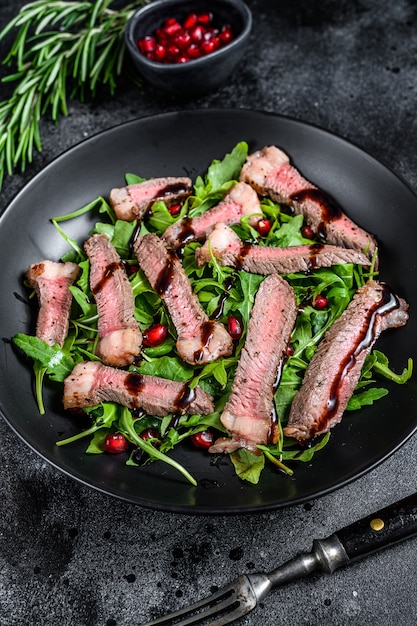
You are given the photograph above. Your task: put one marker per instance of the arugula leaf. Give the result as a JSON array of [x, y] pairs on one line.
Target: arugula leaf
[[364, 398], [248, 466], [105, 414], [57, 363], [227, 169], [166, 367], [220, 177], [381, 365]]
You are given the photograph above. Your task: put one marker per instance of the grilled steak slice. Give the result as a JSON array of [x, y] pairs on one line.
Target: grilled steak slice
[[51, 280], [335, 368], [200, 340], [119, 332], [91, 382], [133, 201], [225, 245], [270, 172], [241, 200], [250, 413]]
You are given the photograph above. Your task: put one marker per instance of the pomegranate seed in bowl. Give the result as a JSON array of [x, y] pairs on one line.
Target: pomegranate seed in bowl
[[176, 37]]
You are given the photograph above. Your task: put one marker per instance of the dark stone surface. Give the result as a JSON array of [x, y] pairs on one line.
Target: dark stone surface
[[73, 556]]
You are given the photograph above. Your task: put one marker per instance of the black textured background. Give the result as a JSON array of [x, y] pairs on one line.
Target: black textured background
[[72, 556]]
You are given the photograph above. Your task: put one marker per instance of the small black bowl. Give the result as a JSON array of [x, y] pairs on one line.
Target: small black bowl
[[197, 76]]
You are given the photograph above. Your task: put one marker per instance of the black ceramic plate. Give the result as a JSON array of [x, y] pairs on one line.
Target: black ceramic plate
[[184, 143]]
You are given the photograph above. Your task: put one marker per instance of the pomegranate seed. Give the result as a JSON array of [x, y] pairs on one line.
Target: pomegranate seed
[[160, 35], [147, 44], [173, 52], [289, 351], [320, 302], [174, 209], [203, 439], [205, 18], [263, 227], [234, 327], [307, 232], [172, 28], [208, 47], [182, 40], [182, 59], [154, 335], [160, 52], [190, 21], [193, 51], [149, 433], [115, 443], [226, 34], [197, 33]]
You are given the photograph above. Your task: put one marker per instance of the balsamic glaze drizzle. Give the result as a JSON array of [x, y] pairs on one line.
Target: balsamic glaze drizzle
[[109, 271], [330, 210], [386, 304]]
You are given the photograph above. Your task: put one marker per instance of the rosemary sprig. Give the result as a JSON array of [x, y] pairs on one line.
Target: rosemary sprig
[[62, 50]]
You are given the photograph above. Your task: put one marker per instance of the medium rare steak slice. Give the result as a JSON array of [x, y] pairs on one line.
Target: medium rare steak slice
[[91, 382], [119, 332], [335, 368], [51, 280], [200, 340], [270, 172], [241, 200], [250, 413], [133, 201], [228, 249]]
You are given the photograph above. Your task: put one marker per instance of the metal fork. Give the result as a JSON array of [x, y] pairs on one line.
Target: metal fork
[[374, 532]]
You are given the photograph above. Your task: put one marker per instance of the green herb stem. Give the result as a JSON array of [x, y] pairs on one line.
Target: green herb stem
[[126, 423], [61, 50]]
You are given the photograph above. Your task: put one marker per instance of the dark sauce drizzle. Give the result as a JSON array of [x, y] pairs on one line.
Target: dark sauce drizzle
[[187, 232], [110, 270], [166, 274], [134, 383], [274, 412], [244, 250], [227, 286], [330, 210], [206, 334], [181, 403], [134, 237], [314, 250], [174, 189], [387, 303]]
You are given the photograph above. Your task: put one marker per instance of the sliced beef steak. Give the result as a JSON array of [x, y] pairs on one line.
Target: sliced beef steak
[[224, 244], [51, 280], [241, 200], [200, 340], [134, 201], [119, 332], [335, 368], [270, 172], [92, 382], [250, 413]]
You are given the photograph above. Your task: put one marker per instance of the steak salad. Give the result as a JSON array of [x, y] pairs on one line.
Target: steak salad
[[210, 314]]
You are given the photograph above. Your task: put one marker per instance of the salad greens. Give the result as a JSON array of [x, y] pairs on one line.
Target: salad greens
[[337, 284]]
